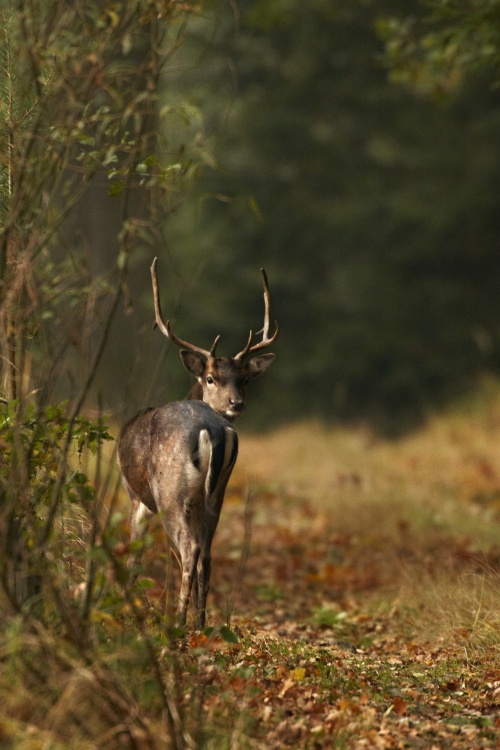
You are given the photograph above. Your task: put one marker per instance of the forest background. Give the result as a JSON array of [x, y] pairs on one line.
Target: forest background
[[373, 207], [371, 204]]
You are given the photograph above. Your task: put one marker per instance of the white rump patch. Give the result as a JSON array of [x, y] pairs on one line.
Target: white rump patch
[[204, 450]]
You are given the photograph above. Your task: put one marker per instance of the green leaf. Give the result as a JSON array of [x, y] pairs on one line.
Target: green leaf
[[146, 583], [116, 188], [228, 635]]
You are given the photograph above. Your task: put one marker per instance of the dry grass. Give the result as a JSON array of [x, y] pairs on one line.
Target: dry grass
[[428, 505], [450, 468]]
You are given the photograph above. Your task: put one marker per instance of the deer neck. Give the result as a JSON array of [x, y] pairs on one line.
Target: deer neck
[[196, 393]]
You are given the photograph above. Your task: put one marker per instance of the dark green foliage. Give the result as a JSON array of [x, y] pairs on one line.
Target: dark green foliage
[[41, 477], [34, 446], [373, 211]]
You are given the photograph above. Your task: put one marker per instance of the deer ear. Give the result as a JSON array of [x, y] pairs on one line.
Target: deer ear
[[193, 362], [258, 365]]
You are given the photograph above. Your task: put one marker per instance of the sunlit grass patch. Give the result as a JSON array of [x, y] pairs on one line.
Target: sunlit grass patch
[[463, 609]]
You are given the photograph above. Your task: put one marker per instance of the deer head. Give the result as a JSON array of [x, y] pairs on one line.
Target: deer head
[[221, 381]]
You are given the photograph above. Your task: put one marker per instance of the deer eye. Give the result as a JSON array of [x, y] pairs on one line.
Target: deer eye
[[210, 380]]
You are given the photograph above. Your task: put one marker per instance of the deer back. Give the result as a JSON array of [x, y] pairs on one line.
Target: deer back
[[178, 456]]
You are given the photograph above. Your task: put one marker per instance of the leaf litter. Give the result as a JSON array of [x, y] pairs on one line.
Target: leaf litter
[[349, 634]]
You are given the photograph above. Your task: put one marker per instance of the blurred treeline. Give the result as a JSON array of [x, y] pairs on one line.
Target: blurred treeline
[[373, 207]]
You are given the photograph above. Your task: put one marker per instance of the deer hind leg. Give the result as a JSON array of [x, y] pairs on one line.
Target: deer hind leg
[[190, 553], [202, 581], [139, 518]]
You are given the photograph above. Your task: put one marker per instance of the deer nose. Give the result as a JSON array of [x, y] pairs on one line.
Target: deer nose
[[236, 404]]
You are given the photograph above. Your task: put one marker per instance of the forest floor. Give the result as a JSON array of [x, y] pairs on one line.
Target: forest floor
[[361, 578], [355, 603]]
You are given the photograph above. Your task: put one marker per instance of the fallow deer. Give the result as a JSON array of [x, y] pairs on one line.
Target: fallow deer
[[176, 459]]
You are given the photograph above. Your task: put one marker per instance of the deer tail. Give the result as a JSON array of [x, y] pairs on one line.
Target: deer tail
[[220, 451]]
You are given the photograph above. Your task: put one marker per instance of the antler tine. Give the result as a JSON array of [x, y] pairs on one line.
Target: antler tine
[[265, 329], [165, 327], [214, 346], [156, 296], [247, 348], [266, 341]]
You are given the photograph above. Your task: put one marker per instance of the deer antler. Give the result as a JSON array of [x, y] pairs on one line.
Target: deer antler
[[165, 327], [266, 341]]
